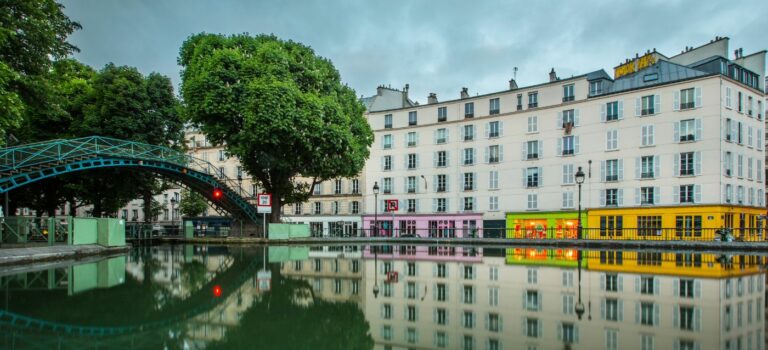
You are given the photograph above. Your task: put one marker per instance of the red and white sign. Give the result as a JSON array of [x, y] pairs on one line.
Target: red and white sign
[[264, 203], [391, 204]]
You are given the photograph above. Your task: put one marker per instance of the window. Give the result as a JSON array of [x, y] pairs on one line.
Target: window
[[442, 159], [355, 207], [532, 148], [411, 184], [611, 339], [533, 99], [222, 155], [612, 197], [469, 156], [387, 121], [648, 106], [532, 327], [533, 275], [647, 135], [441, 340], [469, 181], [647, 167], [519, 102], [335, 207], [533, 124], [493, 203], [494, 154], [568, 174], [441, 136], [411, 205], [410, 335], [441, 292], [469, 294], [469, 203], [611, 225], [648, 225], [355, 186], [647, 196], [386, 185], [412, 161], [612, 170], [612, 309], [569, 118], [568, 93], [442, 114], [612, 140], [595, 87], [411, 139], [337, 188], [469, 132], [687, 99], [468, 319], [493, 106], [646, 313], [688, 225], [494, 322], [493, 296], [411, 313], [410, 290], [567, 199], [469, 110], [441, 182], [532, 300], [386, 332], [494, 129], [612, 111], [612, 282], [533, 200], [686, 164], [387, 141], [493, 180], [442, 271], [412, 118], [318, 207], [686, 318], [442, 205], [685, 288], [728, 193], [568, 145], [532, 177], [687, 130], [740, 100]]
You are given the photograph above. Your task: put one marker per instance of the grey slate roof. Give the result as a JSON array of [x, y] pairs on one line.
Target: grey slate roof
[[666, 72]]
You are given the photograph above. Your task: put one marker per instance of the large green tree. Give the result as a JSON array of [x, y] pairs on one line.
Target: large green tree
[[33, 33], [278, 107]]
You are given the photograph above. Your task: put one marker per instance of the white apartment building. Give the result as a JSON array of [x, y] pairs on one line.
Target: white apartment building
[[668, 142]]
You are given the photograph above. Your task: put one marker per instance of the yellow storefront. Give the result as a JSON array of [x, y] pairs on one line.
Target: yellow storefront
[[699, 222]]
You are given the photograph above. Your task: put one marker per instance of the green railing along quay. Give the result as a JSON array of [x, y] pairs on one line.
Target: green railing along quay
[[25, 164]]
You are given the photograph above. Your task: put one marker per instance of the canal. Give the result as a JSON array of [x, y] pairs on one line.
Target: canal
[[386, 297]]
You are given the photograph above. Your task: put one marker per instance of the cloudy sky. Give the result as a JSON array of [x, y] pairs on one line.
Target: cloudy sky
[[435, 46]]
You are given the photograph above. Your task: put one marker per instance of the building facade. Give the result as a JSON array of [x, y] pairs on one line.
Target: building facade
[[668, 142]]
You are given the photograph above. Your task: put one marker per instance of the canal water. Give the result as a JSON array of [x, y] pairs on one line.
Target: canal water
[[387, 297]]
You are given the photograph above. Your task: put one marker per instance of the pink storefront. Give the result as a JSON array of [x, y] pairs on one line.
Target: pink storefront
[[434, 226]]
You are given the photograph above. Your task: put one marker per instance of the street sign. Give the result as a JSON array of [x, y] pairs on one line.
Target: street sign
[[264, 203], [391, 205]]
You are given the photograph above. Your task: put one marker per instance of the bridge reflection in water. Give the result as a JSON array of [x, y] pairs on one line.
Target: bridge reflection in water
[[429, 298]]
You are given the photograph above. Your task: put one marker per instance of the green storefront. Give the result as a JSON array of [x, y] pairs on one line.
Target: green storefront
[[538, 225]]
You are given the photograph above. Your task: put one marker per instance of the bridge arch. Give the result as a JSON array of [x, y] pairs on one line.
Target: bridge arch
[[26, 164]]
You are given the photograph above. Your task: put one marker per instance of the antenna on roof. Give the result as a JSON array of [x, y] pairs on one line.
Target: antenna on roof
[[514, 75]]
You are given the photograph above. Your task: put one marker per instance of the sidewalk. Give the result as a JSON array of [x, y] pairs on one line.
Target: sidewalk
[[24, 255]]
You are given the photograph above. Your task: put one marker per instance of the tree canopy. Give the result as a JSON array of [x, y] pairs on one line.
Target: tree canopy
[[278, 107]]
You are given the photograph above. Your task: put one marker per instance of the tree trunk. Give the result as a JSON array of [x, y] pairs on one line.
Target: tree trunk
[[148, 206], [96, 208], [277, 203], [72, 207]]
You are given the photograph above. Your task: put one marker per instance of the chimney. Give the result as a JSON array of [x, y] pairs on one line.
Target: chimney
[[512, 84], [379, 90], [432, 99], [405, 89], [464, 92], [741, 52], [405, 96], [552, 75]]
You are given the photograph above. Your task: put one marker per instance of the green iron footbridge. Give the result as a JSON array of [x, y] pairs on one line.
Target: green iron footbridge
[[25, 164]]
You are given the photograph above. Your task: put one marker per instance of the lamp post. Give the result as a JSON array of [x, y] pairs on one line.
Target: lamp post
[[579, 180], [375, 271], [579, 305], [173, 212], [240, 183], [375, 209]]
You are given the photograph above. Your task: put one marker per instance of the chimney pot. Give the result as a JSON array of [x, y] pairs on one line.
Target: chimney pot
[[464, 92], [432, 99], [512, 84], [552, 75]]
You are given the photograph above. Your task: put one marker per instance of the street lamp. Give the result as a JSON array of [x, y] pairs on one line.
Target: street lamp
[[579, 180], [375, 271], [173, 211], [375, 208], [579, 305], [240, 184]]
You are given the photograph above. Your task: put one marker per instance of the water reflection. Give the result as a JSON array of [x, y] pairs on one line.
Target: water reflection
[[428, 297]]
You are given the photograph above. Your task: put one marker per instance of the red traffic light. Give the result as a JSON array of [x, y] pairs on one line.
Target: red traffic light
[[217, 291], [217, 194]]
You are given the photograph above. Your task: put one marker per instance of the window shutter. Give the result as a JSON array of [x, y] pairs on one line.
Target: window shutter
[[417, 201], [501, 128], [621, 109], [676, 137], [698, 97], [637, 196], [524, 150], [698, 129], [602, 281], [382, 162], [434, 183], [559, 120], [676, 316], [725, 162], [417, 139], [676, 101], [675, 286], [487, 129], [637, 106], [434, 136], [652, 132], [697, 193], [559, 146], [447, 135], [620, 199], [602, 198], [525, 173], [541, 149], [576, 145], [656, 195], [447, 183], [675, 194], [501, 153], [621, 283], [697, 163], [576, 117], [603, 112], [417, 161], [485, 153], [656, 314], [434, 205], [697, 319], [602, 170], [697, 288], [461, 133], [676, 166], [657, 104], [447, 158], [621, 169], [434, 159], [541, 177], [637, 306], [657, 167]]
